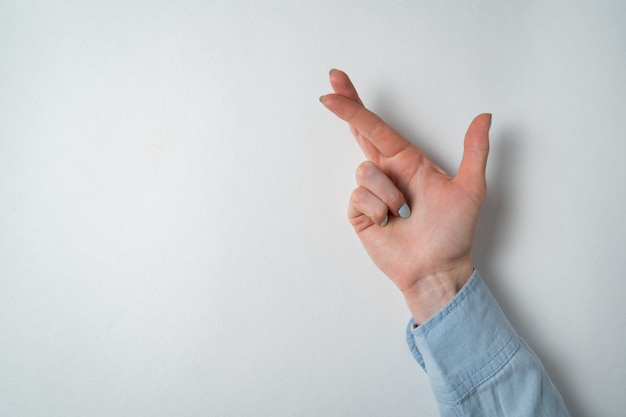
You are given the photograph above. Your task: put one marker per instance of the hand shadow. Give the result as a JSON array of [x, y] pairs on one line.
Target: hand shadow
[[506, 152]]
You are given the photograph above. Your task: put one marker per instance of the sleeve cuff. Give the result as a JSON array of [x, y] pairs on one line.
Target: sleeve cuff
[[465, 343]]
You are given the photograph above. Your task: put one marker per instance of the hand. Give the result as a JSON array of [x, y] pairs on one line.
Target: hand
[[416, 222]]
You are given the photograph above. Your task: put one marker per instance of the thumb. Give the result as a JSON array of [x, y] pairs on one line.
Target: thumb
[[476, 149]]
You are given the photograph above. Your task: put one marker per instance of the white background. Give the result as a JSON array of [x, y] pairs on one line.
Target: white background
[[173, 238]]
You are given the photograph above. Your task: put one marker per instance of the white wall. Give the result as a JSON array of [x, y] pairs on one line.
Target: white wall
[[173, 237]]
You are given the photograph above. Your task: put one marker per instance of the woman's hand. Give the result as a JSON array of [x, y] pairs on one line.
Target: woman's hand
[[416, 222]]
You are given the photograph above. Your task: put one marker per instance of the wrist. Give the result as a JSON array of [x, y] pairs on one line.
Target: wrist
[[428, 295]]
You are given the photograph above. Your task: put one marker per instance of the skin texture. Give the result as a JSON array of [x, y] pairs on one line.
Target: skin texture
[[427, 254]]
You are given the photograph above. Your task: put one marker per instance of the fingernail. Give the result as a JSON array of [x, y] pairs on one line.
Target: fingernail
[[404, 211], [490, 120], [385, 221], [322, 99], [332, 70]]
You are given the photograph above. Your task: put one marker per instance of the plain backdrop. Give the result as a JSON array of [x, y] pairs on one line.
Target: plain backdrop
[[173, 233]]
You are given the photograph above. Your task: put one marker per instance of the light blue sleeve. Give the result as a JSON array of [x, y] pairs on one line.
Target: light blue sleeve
[[477, 363]]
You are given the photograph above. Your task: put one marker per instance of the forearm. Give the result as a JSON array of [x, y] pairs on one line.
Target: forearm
[[477, 363]]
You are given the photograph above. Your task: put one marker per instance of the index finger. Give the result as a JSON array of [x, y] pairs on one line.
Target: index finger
[[341, 84], [371, 126]]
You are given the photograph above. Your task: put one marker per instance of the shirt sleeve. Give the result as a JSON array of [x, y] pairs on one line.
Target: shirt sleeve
[[477, 363]]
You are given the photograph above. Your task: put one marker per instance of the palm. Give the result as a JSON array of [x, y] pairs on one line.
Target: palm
[[438, 235]]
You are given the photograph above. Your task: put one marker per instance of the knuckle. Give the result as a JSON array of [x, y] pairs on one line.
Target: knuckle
[[359, 196], [364, 171], [380, 215], [377, 127], [396, 199]]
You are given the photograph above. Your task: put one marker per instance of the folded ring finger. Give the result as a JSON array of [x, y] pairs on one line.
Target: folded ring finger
[[369, 176], [366, 208]]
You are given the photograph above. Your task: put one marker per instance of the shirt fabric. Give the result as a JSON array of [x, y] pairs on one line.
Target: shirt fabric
[[477, 363]]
